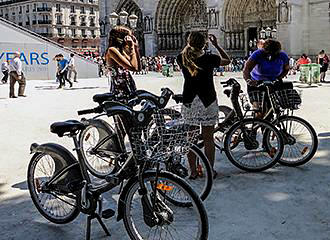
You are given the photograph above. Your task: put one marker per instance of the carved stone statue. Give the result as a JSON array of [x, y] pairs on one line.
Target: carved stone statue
[[284, 12]]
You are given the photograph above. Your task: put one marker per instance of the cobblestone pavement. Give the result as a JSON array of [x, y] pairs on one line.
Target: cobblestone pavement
[[282, 203]]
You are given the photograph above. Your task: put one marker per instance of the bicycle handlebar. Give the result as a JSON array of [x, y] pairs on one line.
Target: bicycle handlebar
[[90, 111]]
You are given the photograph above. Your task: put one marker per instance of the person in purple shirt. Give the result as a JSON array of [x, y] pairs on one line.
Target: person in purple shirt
[[269, 63]]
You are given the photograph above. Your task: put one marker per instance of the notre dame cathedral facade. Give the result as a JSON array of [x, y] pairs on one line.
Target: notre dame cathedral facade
[[303, 26]]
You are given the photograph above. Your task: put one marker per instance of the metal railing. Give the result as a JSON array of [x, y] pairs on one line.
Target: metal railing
[[44, 9]]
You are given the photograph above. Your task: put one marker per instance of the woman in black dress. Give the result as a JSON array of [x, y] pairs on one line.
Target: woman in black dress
[[323, 60]]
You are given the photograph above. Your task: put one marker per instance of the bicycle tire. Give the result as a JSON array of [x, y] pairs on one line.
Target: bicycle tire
[[171, 178], [219, 130], [104, 130], [33, 192], [206, 171], [258, 122], [286, 161]]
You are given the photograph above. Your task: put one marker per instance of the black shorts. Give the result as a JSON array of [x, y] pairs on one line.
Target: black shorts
[[324, 68]]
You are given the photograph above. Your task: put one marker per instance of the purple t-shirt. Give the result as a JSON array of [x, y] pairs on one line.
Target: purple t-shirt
[[268, 70]]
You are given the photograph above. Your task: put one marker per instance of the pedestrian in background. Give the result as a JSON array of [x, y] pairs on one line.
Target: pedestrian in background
[[292, 64], [323, 60], [5, 71], [16, 75], [72, 68], [304, 59], [63, 71]]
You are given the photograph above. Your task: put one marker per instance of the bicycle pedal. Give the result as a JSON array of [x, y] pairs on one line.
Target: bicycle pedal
[[106, 214], [112, 179]]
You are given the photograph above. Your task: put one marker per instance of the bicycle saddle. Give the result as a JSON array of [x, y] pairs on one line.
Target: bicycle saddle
[[178, 98], [71, 126], [101, 98]]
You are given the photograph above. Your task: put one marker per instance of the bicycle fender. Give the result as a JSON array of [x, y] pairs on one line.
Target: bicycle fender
[[121, 201], [53, 148]]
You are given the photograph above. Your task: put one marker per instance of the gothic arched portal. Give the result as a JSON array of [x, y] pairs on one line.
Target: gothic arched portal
[[131, 7], [174, 19], [243, 19]]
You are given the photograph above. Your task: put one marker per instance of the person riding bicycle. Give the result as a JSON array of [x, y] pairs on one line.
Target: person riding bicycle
[[266, 65], [199, 95], [122, 56]]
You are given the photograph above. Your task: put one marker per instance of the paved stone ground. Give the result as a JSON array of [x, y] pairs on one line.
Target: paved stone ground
[[282, 203]]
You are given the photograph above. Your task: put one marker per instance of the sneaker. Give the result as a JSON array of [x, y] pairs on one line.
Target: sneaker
[[12, 97], [22, 95]]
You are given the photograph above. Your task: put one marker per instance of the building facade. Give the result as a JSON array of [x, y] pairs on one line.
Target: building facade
[[72, 23], [303, 26]]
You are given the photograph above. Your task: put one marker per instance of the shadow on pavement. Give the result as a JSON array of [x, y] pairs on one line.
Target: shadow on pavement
[[21, 220], [21, 185]]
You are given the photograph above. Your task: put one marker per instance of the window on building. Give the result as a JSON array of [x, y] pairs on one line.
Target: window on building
[[27, 8], [1, 12], [20, 9], [74, 32], [92, 22], [58, 19], [83, 21], [91, 1], [34, 7], [92, 11], [72, 9], [73, 21], [82, 10], [83, 32], [93, 33], [58, 7], [59, 30]]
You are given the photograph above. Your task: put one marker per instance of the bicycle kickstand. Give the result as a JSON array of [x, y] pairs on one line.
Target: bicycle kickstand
[[88, 227]]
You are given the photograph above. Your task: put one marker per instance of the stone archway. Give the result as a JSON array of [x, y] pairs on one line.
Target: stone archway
[[174, 19], [243, 19], [131, 7]]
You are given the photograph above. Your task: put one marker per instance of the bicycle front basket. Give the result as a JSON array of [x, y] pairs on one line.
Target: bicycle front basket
[[289, 99], [166, 134]]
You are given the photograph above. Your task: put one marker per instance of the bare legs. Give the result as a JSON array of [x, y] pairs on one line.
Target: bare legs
[[207, 135]]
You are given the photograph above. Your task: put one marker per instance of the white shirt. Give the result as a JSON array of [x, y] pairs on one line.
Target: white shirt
[[16, 65], [4, 67], [291, 62], [71, 62]]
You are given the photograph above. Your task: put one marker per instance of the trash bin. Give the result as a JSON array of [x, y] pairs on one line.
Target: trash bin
[[305, 73], [165, 70], [315, 73], [170, 71]]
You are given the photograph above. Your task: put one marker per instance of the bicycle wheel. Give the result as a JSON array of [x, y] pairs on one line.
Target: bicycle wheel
[[300, 140], [174, 222], [223, 125], [244, 145], [100, 158], [56, 205], [180, 166]]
